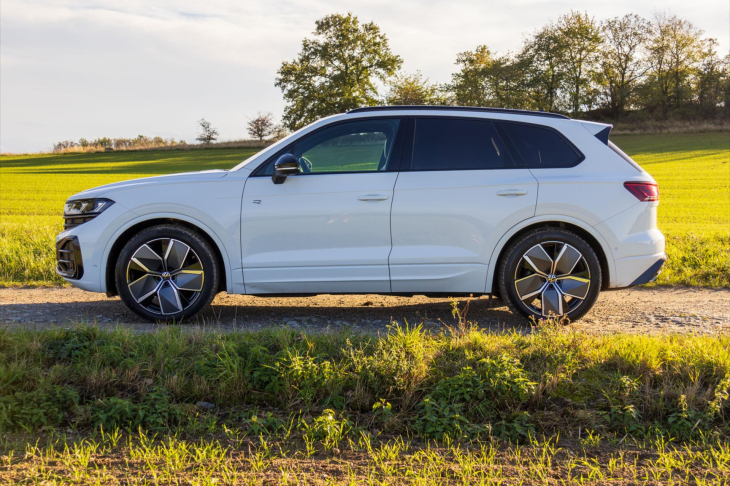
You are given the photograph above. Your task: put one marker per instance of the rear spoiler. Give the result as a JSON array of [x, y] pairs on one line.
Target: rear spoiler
[[599, 130]]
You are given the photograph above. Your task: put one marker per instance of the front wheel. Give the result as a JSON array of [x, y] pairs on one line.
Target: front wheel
[[550, 272], [167, 272]]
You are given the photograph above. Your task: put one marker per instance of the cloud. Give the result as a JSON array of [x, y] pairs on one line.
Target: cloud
[[71, 69]]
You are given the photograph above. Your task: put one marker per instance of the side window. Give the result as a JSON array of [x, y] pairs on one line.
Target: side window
[[458, 144], [541, 148], [360, 146]]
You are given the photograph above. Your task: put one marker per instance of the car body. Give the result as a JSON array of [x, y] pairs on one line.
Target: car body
[[452, 190]]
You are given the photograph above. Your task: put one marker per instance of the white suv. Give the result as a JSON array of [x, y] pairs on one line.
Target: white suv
[[443, 201]]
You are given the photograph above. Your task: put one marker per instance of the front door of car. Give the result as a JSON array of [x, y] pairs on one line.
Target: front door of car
[[459, 191], [325, 229]]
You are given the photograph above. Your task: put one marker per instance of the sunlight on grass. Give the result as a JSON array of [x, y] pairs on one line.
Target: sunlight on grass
[[693, 171], [35, 187]]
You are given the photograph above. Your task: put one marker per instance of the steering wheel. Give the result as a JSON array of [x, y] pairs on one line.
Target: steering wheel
[[305, 165]]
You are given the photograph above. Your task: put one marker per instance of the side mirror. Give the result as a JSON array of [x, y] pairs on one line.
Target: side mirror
[[285, 166]]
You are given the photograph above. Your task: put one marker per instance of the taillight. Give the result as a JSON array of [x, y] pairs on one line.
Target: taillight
[[644, 191]]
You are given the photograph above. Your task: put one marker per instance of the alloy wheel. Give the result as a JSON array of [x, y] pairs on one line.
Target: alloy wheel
[[552, 278], [165, 276]]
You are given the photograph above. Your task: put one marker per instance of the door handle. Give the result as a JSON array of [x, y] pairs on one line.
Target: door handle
[[373, 197], [512, 192]]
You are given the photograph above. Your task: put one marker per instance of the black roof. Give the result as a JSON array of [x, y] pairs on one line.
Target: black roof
[[459, 108]]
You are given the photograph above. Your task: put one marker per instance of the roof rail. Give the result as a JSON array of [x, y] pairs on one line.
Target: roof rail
[[459, 108]]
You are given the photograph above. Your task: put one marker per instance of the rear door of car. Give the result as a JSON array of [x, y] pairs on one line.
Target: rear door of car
[[460, 188]]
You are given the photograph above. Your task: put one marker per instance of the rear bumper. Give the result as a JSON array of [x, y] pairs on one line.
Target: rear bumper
[[651, 273], [639, 270], [636, 245]]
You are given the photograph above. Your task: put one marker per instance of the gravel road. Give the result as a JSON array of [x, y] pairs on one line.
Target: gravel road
[[637, 310]]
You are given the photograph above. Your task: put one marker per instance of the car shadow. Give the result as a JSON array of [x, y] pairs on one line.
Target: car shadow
[[369, 313], [483, 312]]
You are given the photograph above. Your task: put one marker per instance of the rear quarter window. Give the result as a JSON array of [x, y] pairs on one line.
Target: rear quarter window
[[540, 147]]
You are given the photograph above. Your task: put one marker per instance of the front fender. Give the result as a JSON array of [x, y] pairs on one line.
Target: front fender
[[225, 243]]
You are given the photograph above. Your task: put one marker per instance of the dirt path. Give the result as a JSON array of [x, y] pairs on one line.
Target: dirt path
[[675, 310]]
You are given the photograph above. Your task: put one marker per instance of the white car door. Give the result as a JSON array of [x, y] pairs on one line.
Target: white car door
[[458, 192], [326, 229]]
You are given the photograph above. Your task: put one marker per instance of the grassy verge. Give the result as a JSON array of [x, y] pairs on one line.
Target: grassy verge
[[235, 456], [693, 171], [697, 260], [553, 406]]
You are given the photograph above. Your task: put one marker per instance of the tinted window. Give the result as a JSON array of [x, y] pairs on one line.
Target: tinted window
[[458, 144], [541, 147]]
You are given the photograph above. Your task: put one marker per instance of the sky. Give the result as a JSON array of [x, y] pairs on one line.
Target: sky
[[93, 68]]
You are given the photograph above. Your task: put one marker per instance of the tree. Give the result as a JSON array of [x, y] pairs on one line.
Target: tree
[[505, 82], [541, 59], [486, 79], [621, 66], [580, 39], [262, 126], [413, 89], [63, 145], [468, 86], [673, 50], [336, 70], [713, 75], [279, 131], [103, 142], [207, 133]]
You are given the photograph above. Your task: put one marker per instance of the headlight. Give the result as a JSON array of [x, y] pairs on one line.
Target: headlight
[[79, 211]]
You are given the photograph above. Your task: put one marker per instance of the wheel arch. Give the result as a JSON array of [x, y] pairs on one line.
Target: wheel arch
[[132, 229], [582, 229]]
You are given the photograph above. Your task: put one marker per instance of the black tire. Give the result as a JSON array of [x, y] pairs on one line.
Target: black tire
[[522, 268], [174, 274]]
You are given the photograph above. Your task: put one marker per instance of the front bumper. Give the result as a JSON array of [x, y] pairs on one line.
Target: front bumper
[[88, 243], [69, 263]]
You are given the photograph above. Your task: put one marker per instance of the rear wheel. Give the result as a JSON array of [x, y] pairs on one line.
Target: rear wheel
[[550, 272], [167, 272]]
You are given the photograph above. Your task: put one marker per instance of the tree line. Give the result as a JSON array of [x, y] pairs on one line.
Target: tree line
[[102, 143], [621, 69], [260, 128]]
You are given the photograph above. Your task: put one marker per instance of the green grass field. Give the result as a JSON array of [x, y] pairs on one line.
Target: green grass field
[[33, 189], [693, 171]]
